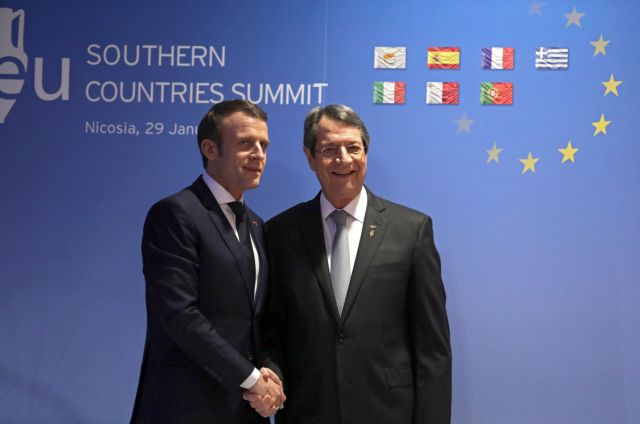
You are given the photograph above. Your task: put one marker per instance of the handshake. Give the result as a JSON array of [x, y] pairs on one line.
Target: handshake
[[266, 396]]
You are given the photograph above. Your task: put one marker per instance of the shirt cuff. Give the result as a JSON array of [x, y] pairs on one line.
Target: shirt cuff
[[251, 380]]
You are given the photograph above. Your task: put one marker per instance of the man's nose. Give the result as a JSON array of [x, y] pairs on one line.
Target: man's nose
[[258, 150], [343, 154]]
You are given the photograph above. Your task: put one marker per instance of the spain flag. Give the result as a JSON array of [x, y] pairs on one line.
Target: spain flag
[[443, 57]]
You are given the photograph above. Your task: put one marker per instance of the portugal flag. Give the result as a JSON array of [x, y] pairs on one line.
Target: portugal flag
[[496, 93], [443, 57]]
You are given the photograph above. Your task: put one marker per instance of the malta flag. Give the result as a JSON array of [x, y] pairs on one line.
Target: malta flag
[[443, 57], [388, 92], [439, 93], [390, 58], [497, 57], [496, 93]]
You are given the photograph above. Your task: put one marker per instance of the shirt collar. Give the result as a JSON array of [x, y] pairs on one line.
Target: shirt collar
[[220, 193], [357, 208]]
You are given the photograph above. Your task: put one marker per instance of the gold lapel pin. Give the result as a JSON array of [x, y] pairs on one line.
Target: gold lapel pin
[[372, 230]]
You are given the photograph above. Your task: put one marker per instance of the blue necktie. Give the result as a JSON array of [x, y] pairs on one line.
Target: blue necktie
[[243, 236], [340, 264]]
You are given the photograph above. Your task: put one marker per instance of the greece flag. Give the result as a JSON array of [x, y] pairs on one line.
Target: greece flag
[[552, 58]]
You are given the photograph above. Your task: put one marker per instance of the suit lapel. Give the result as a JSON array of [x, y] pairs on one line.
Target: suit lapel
[[311, 229], [373, 231], [224, 229]]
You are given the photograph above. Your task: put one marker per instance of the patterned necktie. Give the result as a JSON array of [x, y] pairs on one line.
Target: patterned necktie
[[243, 236], [340, 264]]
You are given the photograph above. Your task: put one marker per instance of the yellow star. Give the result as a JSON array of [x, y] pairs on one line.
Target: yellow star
[[568, 152], [529, 163], [600, 45], [611, 85], [601, 125], [493, 154], [574, 17]]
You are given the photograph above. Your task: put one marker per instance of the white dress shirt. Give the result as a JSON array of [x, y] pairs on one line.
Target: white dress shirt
[[356, 209], [223, 197]]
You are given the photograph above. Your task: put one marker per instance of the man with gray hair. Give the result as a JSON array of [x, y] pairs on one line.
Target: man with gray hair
[[355, 315]]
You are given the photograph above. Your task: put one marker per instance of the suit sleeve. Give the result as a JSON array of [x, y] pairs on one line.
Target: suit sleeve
[[429, 329], [170, 256]]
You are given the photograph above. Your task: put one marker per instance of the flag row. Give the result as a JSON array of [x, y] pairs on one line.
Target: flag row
[[492, 58], [440, 92]]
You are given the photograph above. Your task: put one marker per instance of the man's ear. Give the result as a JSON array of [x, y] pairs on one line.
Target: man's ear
[[209, 149], [310, 159]]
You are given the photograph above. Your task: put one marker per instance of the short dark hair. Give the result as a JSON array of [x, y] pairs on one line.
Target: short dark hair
[[209, 127], [340, 113]]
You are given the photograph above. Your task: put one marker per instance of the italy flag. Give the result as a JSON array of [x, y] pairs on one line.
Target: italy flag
[[389, 92]]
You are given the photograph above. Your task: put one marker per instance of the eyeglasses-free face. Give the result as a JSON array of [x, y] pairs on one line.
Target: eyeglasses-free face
[[239, 162]]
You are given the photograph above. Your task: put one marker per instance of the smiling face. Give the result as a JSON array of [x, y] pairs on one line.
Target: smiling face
[[341, 177], [239, 161]]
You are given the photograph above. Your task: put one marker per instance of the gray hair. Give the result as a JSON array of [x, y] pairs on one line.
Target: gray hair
[[340, 113]]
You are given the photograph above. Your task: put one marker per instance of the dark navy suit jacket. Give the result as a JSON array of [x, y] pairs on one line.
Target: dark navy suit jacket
[[202, 319]]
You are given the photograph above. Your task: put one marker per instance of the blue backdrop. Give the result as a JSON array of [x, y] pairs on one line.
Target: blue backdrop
[[540, 267]]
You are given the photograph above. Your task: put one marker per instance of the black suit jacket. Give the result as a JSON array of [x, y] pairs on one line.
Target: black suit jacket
[[202, 321], [387, 359]]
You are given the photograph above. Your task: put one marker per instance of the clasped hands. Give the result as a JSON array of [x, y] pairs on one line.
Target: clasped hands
[[266, 396]]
